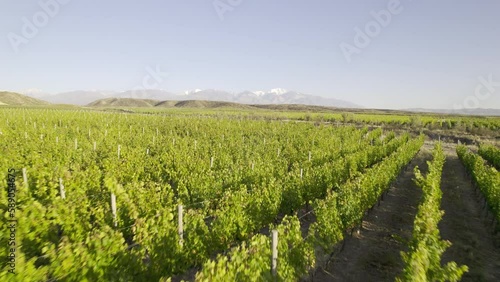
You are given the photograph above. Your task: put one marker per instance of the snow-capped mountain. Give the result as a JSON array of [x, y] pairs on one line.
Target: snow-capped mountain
[[211, 95], [273, 96]]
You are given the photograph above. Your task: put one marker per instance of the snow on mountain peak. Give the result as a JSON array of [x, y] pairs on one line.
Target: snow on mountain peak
[[278, 91], [259, 93], [188, 92], [275, 91]]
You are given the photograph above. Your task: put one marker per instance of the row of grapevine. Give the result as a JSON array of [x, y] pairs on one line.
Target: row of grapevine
[[423, 259], [485, 177], [343, 207], [491, 154]]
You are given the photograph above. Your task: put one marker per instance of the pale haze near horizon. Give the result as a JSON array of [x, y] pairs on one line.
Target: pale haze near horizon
[[430, 54]]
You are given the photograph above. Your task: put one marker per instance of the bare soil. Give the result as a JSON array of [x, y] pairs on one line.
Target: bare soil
[[374, 253]]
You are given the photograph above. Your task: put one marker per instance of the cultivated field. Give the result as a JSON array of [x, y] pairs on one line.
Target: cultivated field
[[224, 194]]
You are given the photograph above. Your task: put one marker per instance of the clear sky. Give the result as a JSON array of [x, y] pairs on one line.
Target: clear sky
[[429, 54]]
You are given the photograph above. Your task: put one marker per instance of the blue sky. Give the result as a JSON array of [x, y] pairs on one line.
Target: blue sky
[[429, 54]]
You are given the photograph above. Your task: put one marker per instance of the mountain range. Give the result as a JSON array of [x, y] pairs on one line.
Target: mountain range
[[275, 99], [273, 96]]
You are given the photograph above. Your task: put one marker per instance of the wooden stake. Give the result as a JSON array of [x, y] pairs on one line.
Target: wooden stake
[[274, 259], [113, 208], [25, 177], [76, 143], [119, 150], [211, 161], [61, 189], [180, 223], [95, 145]]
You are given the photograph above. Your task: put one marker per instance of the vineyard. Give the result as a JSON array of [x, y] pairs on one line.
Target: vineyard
[[104, 196]]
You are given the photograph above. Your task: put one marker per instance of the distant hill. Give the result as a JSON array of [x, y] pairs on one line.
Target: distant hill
[[16, 99], [146, 103], [202, 104], [152, 94], [123, 102]]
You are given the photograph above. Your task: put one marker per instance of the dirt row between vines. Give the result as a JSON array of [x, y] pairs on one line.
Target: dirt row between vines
[[464, 224], [374, 253]]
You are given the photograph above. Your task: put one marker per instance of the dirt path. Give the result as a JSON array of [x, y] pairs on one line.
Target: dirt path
[[374, 254], [464, 226]]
